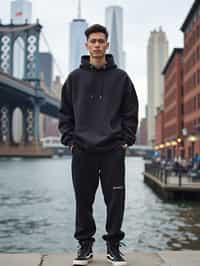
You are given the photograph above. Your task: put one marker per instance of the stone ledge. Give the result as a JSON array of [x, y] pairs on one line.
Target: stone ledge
[[135, 258]]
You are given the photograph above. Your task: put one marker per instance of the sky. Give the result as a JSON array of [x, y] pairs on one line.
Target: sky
[[140, 18]]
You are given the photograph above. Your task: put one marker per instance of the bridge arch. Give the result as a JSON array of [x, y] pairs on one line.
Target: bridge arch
[[17, 128]]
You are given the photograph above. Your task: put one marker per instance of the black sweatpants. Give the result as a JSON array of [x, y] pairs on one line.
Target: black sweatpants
[[87, 170]]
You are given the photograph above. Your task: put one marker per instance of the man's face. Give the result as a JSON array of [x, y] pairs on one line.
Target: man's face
[[97, 44]]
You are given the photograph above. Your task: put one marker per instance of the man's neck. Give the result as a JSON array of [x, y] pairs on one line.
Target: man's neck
[[98, 62]]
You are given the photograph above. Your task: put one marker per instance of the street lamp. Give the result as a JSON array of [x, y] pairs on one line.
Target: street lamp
[[179, 140], [192, 139]]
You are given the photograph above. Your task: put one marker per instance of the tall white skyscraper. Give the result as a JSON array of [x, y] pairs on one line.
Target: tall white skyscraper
[[21, 10], [114, 24], [77, 40], [157, 55]]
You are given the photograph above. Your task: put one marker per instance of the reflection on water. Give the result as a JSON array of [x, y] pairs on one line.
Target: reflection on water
[[23, 198], [188, 228], [37, 211]]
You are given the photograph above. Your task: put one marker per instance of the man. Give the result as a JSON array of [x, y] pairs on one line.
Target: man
[[98, 120]]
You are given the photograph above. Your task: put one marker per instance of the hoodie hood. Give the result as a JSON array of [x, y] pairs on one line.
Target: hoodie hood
[[85, 63]]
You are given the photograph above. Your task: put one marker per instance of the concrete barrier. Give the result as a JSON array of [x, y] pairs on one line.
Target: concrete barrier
[[163, 258]]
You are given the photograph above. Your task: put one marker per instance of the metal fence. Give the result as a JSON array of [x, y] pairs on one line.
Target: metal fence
[[168, 175]]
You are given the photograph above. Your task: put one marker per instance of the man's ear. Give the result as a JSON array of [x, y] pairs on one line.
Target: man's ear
[[108, 44], [86, 45]]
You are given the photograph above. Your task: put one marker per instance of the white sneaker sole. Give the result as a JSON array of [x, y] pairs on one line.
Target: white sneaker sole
[[119, 263], [82, 262]]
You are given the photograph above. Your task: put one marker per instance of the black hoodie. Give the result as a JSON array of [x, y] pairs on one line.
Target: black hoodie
[[99, 107]]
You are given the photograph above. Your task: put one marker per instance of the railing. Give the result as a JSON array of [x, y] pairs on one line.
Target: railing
[[168, 175]]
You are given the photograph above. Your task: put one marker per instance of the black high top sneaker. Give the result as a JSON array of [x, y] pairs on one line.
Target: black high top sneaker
[[114, 255], [84, 254]]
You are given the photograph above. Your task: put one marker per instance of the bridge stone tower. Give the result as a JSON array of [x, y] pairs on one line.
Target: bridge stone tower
[[27, 36]]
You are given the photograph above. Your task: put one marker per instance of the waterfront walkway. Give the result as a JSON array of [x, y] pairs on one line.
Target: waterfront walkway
[[173, 182], [164, 258], [174, 188]]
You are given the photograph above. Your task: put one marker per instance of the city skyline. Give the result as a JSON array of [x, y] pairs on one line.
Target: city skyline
[[140, 18]]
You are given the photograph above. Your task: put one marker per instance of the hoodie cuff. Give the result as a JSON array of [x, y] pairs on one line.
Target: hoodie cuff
[[67, 142], [71, 142], [128, 142]]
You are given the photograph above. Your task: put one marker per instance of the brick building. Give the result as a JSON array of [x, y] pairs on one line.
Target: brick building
[[191, 58], [160, 130], [173, 105]]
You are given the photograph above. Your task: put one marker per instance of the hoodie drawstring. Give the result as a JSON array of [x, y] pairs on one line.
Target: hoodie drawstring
[[101, 89]]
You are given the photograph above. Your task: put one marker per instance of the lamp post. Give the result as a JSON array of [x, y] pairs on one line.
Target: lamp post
[[173, 145], [192, 139], [179, 147]]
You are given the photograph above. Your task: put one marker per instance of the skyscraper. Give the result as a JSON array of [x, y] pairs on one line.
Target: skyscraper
[[46, 67], [114, 24], [157, 55], [77, 40], [21, 10]]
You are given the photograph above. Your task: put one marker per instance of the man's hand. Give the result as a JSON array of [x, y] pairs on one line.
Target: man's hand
[[71, 147], [125, 146]]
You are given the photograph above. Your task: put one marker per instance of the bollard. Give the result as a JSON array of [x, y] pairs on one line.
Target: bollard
[[165, 176], [162, 172], [179, 177]]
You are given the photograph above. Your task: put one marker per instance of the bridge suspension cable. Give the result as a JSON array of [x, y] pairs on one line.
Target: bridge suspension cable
[[54, 59]]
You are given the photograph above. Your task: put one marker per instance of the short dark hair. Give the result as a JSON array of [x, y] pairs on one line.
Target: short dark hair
[[96, 28]]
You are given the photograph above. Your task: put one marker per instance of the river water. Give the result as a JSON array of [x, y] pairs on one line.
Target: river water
[[37, 210]]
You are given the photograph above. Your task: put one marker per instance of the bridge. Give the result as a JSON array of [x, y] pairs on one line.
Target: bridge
[[53, 143], [25, 95]]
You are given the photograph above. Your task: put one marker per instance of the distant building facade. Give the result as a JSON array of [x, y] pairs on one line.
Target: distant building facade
[[191, 81], [114, 24], [46, 67], [77, 40], [157, 55], [21, 11], [173, 105]]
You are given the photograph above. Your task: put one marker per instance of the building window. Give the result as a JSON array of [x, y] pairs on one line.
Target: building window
[[182, 109], [194, 80], [198, 101], [182, 91], [198, 76], [194, 103], [194, 123]]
